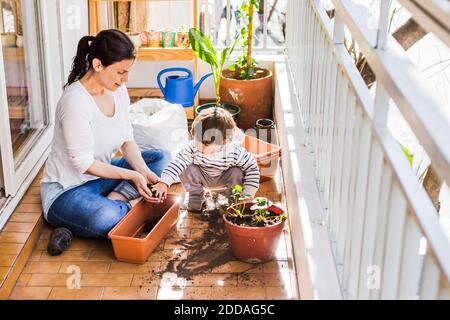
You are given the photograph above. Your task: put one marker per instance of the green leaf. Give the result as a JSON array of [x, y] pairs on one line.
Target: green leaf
[[202, 47], [256, 5], [408, 154], [232, 67], [227, 51], [224, 55]]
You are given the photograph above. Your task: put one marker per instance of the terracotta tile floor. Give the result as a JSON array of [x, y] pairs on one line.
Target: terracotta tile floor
[[103, 277]]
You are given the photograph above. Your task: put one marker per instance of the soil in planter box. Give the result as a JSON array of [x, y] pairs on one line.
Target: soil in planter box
[[150, 223], [147, 227], [208, 251]]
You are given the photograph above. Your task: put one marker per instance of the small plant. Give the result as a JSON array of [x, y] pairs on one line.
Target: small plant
[[238, 200], [258, 211], [206, 52]]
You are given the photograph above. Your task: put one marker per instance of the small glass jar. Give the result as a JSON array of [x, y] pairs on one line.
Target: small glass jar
[[154, 38], [168, 39], [182, 40]]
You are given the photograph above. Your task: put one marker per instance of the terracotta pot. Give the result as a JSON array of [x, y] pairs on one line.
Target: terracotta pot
[[131, 242], [253, 96], [267, 156], [254, 244]]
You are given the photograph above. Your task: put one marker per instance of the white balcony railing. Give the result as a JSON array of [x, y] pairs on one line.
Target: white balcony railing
[[377, 214]]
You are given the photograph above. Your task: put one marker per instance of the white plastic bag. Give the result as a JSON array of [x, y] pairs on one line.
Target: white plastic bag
[[158, 124]]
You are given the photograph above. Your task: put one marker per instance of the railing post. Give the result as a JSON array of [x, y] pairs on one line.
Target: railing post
[[383, 24], [228, 10], [265, 9], [381, 106], [339, 31]]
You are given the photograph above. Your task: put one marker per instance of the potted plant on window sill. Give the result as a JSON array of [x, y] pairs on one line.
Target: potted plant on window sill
[[244, 78], [254, 226], [205, 51]]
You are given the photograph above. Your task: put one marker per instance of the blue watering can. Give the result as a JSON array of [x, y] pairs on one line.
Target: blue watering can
[[180, 89]]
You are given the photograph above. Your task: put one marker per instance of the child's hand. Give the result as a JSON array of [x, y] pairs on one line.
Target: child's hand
[[160, 190]]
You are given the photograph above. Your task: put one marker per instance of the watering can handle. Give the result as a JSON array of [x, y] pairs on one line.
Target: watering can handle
[[158, 77]]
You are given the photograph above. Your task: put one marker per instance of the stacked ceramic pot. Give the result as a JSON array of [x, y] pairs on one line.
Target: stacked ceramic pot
[[267, 156]]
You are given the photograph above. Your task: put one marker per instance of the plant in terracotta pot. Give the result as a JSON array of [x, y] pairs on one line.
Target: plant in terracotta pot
[[206, 52], [254, 226], [244, 78]]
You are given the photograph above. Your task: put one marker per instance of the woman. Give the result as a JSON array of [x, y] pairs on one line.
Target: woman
[[83, 190]]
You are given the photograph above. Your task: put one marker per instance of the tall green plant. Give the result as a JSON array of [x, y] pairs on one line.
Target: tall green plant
[[206, 52], [245, 64]]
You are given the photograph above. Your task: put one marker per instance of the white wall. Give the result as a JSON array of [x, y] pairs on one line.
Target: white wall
[[170, 15], [143, 74]]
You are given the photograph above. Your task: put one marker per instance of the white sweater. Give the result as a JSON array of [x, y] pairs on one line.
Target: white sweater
[[83, 134], [231, 155]]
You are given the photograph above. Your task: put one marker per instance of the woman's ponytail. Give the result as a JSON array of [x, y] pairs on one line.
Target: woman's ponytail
[[80, 62]]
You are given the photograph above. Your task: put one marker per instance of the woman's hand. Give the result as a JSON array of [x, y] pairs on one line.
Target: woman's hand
[[160, 190], [140, 182], [151, 177], [132, 154]]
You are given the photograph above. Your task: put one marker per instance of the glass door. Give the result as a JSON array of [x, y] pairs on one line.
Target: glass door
[[23, 109]]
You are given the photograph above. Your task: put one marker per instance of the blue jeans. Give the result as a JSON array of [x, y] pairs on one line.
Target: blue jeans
[[87, 212]]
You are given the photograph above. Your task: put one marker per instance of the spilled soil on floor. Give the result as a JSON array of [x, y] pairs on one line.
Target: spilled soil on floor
[[211, 249], [206, 252]]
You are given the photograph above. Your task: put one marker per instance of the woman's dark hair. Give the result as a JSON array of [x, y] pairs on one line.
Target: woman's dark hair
[[109, 46]]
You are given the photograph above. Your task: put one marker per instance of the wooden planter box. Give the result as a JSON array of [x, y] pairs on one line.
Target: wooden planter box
[[130, 239]]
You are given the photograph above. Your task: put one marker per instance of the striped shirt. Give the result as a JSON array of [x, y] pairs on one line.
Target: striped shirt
[[231, 155]]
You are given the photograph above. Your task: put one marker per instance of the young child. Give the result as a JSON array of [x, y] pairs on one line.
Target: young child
[[211, 159]]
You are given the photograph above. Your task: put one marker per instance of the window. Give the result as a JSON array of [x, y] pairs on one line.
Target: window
[[25, 104], [24, 111]]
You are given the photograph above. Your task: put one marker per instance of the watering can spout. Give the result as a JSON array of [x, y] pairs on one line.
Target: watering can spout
[[199, 83]]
